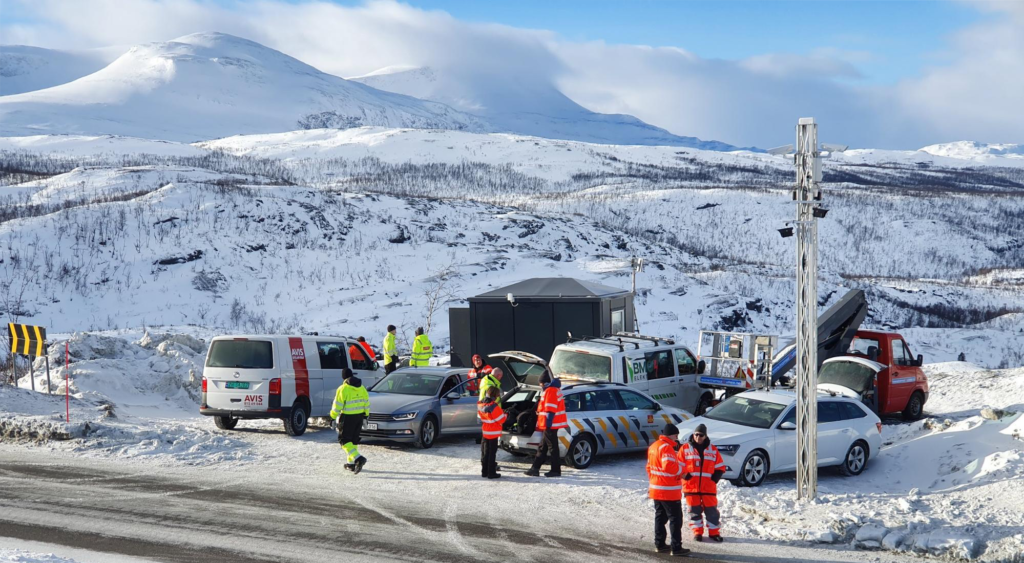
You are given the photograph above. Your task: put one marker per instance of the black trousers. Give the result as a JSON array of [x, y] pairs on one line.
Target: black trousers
[[668, 512], [548, 448], [349, 427], [388, 368], [488, 457]]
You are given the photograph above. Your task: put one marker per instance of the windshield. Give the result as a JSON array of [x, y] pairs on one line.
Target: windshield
[[406, 383], [861, 345], [581, 365], [851, 375], [247, 354], [747, 412]]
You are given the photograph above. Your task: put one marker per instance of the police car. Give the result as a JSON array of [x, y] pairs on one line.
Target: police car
[[603, 418], [288, 377]]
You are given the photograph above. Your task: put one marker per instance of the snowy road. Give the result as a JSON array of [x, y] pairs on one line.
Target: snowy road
[[199, 514]]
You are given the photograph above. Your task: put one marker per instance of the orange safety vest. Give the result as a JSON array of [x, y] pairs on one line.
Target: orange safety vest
[[492, 420], [700, 489], [475, 376], [664, 470], [369, 350], [355, 352], [551, 401]]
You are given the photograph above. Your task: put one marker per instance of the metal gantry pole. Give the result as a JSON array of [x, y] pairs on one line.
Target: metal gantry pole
[[806, 194]]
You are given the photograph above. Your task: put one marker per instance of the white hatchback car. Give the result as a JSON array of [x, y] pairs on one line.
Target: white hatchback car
[[756, 433]]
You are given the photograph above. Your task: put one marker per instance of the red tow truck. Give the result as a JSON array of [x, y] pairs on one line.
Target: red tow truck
[[879, 370]]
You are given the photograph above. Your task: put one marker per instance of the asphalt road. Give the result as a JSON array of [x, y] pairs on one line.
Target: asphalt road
[[135, 512]]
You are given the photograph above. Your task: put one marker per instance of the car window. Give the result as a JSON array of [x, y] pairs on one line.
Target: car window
[[861, 345], [685, 363], [359, 357], [581, 365], [575, 402], [635, 401], [746, 411], [828, 411], [851, 411], [790, 416], [602, 401], [449, 385], [247, 354], [331, 355], [899, 355], [659, 365]]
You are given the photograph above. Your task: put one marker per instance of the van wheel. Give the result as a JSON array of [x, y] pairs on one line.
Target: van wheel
[[703, 404], [856, 459], [225, 422], [428, 432], [295, 424], [754, 469], [581, 452], [915, 407]]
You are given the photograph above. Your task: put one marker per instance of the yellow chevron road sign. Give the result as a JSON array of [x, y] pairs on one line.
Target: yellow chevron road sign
[[27, 339]]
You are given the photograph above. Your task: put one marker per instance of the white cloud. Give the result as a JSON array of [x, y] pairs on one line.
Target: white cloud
[[755, 101]]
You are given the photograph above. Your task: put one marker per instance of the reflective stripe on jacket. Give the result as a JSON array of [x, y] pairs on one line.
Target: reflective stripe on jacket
[[390, 348], [664, 470], [492, 421], [350, 400], [701, 469], [551, 402], [421, 351], [488, 382]]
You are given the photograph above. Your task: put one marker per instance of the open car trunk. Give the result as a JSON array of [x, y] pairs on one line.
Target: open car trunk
[[851, 377]]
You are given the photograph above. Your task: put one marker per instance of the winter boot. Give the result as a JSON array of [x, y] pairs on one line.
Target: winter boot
[[717, 539], [681, 552], [661, 548], [698, 537], [360, 462]]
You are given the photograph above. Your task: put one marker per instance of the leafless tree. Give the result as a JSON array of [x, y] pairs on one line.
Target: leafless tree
[[442, 288]]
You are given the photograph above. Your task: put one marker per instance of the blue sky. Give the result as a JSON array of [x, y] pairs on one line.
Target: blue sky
[[883, 74], [887, 40]]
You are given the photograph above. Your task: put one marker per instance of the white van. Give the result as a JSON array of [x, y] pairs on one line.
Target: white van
[[657, 366], [288, 377]]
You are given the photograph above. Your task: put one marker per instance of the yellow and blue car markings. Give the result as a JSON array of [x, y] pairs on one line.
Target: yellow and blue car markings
[[614, 432]]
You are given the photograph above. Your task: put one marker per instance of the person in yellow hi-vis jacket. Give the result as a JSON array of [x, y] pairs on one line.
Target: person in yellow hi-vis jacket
[[421, 350], [390, 348], [351, 406]]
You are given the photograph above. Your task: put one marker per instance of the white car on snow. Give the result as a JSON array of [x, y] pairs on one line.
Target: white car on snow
[[756, 433]]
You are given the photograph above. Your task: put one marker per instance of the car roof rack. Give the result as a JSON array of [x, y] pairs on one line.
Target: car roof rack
[[655, 339], [603, 340], [597, 383]]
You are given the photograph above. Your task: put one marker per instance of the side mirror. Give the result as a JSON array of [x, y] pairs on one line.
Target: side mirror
[[376, 366], [453, 395], [920, 360], [657, 407], [873, 353], [787, 426], [701, 366]]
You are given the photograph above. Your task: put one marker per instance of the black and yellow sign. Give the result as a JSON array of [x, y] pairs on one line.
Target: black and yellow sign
[[27, 339]]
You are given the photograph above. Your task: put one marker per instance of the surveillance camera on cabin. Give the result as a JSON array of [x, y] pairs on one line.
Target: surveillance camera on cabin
[[511, 298]]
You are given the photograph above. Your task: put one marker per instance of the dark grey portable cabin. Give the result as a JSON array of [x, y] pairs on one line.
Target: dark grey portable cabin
[[545, 311]]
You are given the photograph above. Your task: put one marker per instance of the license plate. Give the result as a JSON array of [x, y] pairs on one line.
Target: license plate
[[369, 426], [236, 385]]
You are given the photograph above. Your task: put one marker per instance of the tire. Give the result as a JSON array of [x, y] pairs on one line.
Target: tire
[[581, 452], [915, 407], [754, 469], [225, 422], [856, 459], [428, 432], [298, 420], [703, 404]]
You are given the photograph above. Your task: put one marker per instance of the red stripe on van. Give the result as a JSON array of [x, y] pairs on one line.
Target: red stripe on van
[[299, 365]]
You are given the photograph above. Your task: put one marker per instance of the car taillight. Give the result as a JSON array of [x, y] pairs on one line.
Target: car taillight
[[204, 385], [275, 386], [878, 425]]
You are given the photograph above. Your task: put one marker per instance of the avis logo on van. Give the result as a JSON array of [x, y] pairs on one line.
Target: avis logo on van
[[298, 354], [253, 400]]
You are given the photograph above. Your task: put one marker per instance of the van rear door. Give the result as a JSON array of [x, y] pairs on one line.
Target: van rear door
[[238, 373]]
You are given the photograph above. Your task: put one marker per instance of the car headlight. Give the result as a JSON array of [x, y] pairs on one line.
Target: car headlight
[[405, 415], [729, 449]]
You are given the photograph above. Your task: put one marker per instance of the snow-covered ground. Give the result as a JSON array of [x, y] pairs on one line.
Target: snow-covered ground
[[949, 486]]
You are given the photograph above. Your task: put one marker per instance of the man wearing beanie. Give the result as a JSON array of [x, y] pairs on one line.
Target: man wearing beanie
[[703, 467], [666, 490]]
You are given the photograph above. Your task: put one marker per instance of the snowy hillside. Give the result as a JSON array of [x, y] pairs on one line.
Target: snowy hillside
[[525, 106], [24, 68], [209, 85], [976, 151]]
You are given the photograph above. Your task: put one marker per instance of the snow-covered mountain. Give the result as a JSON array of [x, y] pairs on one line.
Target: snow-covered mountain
[[513, 104], [25, 69], [973, 150], [210, 85]]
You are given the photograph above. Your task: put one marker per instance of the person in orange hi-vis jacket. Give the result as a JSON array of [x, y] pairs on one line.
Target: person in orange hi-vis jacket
[[665, 473], [703, 467], [492, 418], [550, 419]]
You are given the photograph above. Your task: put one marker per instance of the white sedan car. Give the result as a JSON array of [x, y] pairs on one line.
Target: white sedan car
[[756, 433]]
